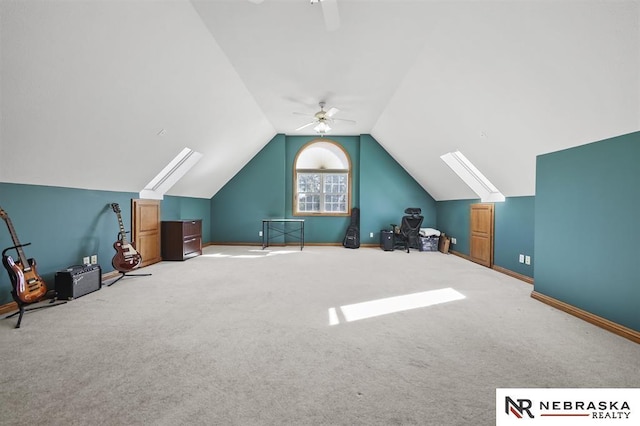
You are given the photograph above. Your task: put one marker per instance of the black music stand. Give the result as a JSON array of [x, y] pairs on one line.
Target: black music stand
[[14, 294]]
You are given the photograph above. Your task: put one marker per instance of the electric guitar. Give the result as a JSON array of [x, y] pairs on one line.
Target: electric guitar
[[126, 258], [28, 286]]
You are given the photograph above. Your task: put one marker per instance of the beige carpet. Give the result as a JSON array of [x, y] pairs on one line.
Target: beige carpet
[[242, 336]]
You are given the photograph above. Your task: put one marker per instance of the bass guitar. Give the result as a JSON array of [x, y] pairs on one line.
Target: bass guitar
[[28, 286], [126, 258]]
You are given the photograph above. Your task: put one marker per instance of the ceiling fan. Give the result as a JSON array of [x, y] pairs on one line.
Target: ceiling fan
[[329, 11], [322, 119]]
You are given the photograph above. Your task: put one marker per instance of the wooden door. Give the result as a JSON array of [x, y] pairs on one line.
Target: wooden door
[[481, 242], [146, 229]]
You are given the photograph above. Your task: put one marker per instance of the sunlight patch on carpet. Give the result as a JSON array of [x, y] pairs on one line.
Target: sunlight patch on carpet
[[252, 254], [390, 305], [333, 317]]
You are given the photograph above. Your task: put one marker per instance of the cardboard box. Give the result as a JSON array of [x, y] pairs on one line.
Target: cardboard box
[[443, 243]]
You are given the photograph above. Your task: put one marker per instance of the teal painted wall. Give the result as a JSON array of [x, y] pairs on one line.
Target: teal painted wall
[[453, 219], [587, 228], [386, 189], [513, 230], [64, 224], [254, 193], [514, 234], [177, 208], [264, 188]]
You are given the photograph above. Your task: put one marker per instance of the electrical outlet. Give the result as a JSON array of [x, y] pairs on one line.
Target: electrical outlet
[[94, 259], [527, 260], [86, 260], [521, 258], [370, 234], [259, 233], [453, 241]]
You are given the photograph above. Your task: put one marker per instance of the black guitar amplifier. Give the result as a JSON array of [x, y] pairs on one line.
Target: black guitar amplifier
[[78, 280]]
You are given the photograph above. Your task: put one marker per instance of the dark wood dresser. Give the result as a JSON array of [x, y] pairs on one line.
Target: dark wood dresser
[[181, 239]]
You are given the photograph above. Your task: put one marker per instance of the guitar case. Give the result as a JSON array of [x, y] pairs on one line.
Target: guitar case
[[352, 236]]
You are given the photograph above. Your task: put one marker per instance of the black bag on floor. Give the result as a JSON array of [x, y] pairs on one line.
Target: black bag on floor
[[352, 236]]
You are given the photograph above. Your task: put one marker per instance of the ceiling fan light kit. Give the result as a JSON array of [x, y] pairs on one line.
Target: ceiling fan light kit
[[322, 128]]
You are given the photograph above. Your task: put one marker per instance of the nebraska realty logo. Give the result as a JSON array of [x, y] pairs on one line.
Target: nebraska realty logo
[[564, 406]]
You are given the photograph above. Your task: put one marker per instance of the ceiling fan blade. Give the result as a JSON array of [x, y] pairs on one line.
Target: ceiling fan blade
[[332, 112], [306, 125], [344, 120], [302, 113], [331, 15]]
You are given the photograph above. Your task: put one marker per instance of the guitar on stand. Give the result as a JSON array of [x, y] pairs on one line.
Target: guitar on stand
[[127, 258], [27, 286]]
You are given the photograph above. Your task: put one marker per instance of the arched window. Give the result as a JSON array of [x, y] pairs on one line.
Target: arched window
[[322, 180]]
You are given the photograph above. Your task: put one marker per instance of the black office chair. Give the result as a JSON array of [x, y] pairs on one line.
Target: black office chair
[[407, 235]]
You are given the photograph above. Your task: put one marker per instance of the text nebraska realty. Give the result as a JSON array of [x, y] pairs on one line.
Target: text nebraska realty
[[597, 409]]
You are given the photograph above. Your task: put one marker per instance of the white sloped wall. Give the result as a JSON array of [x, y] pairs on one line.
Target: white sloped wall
[[506, 81], [87, 88]]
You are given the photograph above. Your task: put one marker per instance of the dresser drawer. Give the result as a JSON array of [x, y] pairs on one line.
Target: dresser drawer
[[192, 246], [192, 228]]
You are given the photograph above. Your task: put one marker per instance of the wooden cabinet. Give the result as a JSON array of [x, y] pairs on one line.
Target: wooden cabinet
[[181, 239]]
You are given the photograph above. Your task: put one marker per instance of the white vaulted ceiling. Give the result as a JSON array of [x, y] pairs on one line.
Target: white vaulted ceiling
[[102, 95]]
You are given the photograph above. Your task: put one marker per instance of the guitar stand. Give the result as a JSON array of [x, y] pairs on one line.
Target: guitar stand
[[22, 309], [21, 304], [125, 274]]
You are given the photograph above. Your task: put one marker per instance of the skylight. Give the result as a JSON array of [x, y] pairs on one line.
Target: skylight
[[472, 177], [171, 174]]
